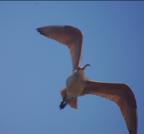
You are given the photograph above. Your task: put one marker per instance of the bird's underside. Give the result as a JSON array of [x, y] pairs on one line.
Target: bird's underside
[[121, 94]]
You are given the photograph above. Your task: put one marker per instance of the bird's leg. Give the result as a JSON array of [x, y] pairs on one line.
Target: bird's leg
[[63, 103]]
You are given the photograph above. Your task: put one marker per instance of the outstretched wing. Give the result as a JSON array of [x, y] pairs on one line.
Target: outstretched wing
[[67, 35], [122, 95]]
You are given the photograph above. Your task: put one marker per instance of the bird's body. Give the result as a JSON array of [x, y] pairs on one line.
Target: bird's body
[[77, 85]]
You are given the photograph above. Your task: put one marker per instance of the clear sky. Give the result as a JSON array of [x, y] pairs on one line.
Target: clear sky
[[33, 69]]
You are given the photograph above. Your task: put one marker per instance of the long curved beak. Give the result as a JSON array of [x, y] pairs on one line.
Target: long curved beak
[[87, 65]]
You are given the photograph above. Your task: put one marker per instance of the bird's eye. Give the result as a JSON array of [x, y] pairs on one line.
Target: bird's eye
[[76, 70]]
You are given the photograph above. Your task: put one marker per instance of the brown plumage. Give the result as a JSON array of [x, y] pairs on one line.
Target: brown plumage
[[77, 85], [67, 35], [122, 95]]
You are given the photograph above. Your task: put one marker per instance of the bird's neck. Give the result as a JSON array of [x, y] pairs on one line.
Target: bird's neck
[[75, 77], [80, 75]]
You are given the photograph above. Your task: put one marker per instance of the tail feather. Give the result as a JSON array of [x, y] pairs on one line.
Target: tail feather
[[73, 103]]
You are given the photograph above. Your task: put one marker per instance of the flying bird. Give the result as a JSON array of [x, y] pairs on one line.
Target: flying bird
[[78, 85]]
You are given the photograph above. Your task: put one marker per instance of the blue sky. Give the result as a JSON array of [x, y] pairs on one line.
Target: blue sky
[[33, 69]]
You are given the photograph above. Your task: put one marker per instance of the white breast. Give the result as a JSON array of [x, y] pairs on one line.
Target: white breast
[[75, 84]]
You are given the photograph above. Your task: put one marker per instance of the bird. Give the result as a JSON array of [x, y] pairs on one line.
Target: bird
[[78, 85]]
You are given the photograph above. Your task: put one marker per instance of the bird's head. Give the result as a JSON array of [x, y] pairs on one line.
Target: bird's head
[[81, 69]]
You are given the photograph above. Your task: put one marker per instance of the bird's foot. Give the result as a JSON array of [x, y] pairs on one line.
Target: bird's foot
[[62, 105]]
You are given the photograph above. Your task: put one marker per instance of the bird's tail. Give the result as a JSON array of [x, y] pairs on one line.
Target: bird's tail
[[73, 102]]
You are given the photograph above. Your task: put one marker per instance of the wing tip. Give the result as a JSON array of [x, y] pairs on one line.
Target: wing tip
[[39, 30]]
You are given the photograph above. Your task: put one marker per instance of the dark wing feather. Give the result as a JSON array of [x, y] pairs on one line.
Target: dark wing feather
[[67, 35], [122, 95]]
